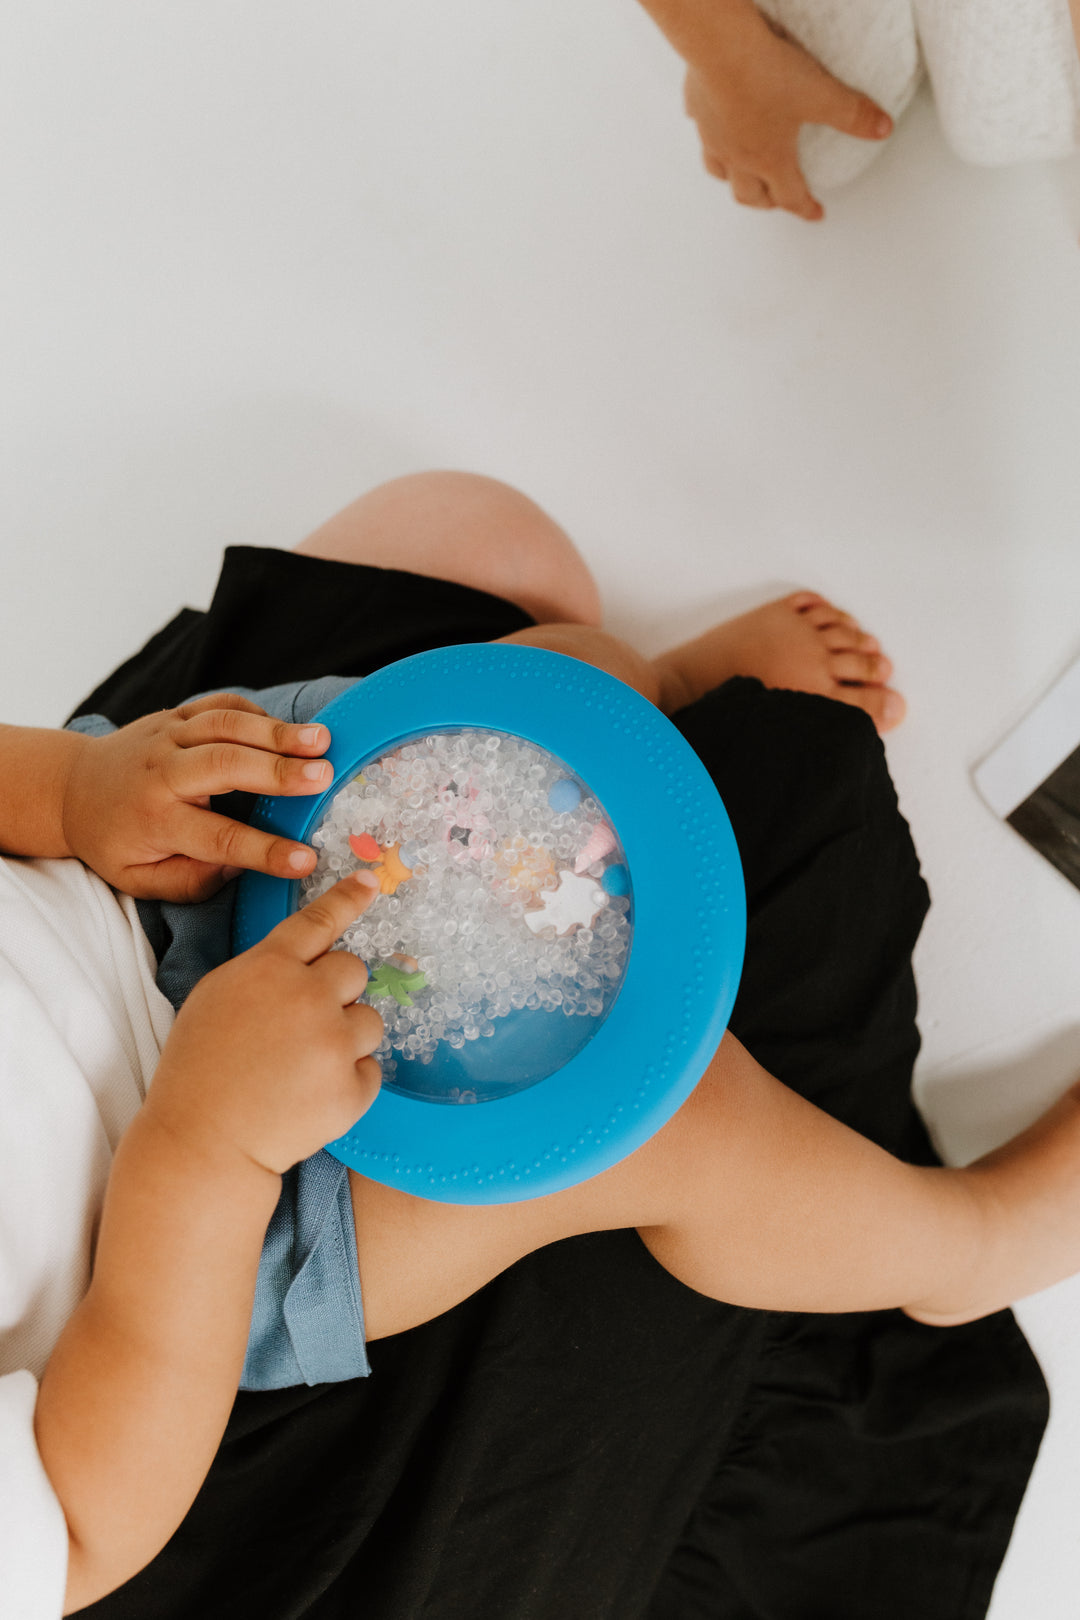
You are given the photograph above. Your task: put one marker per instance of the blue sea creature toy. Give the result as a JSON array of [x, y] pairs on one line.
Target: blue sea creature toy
[[564, 794]]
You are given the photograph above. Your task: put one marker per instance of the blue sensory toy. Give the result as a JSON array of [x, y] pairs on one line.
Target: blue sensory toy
[[559, 932]]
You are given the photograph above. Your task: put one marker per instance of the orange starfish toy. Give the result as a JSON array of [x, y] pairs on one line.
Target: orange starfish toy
[[391, 872]]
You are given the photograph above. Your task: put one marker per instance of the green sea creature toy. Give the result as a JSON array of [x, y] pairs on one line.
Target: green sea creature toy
[[390, 980]]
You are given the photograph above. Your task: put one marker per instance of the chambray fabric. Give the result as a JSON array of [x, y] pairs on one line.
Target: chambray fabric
[[307, 1325]]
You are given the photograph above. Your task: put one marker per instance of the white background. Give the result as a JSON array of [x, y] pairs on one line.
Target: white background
[[256, 257]]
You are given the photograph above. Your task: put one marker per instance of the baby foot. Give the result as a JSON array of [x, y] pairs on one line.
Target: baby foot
[[802, 643]]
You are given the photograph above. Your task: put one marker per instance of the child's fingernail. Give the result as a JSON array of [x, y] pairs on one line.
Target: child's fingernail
[[315, 770], [366, 879], [301, 859], [310, 735], [883, 126]]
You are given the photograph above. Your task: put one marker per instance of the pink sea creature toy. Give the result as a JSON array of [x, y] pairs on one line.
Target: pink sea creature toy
[[601, 842]]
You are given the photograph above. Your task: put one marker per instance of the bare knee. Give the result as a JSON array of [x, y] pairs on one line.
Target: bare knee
[[470, 529]]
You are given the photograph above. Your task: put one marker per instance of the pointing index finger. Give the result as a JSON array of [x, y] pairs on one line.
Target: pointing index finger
[[309, 933]]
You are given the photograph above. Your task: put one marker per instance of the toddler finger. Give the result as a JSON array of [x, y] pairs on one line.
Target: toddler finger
[[789, 190], [175, 878], [369, 1075], [750, 190], [221, 767], [203, 835], [851, 111], [251, 730], [218, 700], [354, 1096], [309, 934], [367, 1027], [345, 973]]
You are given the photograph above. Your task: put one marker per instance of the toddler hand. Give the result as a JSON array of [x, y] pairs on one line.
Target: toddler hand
[[135, 804], [749, 102], [269, 1055]]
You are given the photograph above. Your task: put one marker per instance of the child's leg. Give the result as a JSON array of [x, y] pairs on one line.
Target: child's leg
[[471, 530]]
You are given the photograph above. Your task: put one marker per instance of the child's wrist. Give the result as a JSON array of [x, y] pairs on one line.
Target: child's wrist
[[174, 1190], [37, 766], [706, 33], [204, 1150], [73, 775]]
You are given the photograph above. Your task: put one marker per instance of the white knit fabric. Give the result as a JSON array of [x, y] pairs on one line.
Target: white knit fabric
[[82, 1024], [1006, 77], [870, 45], [1005, 74]]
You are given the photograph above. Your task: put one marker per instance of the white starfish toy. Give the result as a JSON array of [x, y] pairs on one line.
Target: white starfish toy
[[577, 901]]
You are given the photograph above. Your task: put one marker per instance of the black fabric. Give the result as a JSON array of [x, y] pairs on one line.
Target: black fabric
[[277, 616], [586, 1439]]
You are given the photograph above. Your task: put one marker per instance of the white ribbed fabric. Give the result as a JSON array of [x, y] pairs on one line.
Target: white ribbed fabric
[[1005, 74], [1006, 77], [869, 44], [82, 1024]]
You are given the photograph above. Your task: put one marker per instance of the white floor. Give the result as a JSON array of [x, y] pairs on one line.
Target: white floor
[[258, 256]]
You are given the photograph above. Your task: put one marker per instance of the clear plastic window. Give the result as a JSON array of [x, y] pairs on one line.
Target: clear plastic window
[[502, 933]]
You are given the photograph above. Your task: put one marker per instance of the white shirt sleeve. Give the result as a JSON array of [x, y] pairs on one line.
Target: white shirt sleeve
[[81, 1027], [33, 1532]]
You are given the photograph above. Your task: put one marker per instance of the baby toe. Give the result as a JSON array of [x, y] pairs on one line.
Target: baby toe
[[800, 601], [885, 707], [871, 669], [841, 638], [823, 615]]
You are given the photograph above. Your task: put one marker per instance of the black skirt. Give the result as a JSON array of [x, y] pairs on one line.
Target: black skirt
[[585, 1438]]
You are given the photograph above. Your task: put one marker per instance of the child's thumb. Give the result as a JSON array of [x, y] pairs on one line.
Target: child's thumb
[[849, 110]]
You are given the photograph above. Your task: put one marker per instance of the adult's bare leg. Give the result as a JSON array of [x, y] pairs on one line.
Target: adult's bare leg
[[753, 1196], [468, 529]]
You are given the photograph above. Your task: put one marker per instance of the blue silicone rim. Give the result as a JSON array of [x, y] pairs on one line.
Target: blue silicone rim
[[686, 951]]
